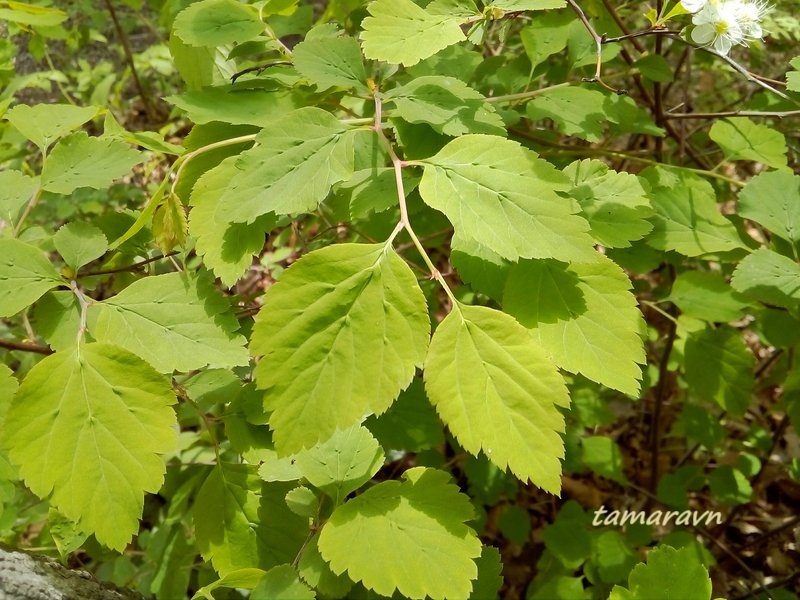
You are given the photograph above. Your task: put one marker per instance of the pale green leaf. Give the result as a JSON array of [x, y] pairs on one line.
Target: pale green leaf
[[242, 522], [31, 14], [79, 244], [291, 169], [25, 275], [400, 32], [773, 200], [583, 315], [317, 573], [236, 106], [343, 463], [546, 35], [81, 161], [170, 225], [719, 366], [331, 62], [615, 204], [45, 123], [461, 8], [668, 575], [217, 22], [498, 392], [793, 77], [240, 578], [527, 4], [501, 195], [86, 429], [577, 111], [768, 277], [706, 295], [303, 501], [226, 248], [603, 456], [176, 322], [282, 582], [479, 266], [341, 334], [375, 190], [447, 104], [391, 536], [17, 189], [8, 387], [742, 139], [279, 468], [687, 218]]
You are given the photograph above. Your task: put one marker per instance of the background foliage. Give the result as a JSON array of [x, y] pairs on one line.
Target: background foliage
[[355, 300]]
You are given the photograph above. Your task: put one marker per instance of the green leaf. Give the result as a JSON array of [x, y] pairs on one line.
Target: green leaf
[[176, 322], [742, 139], [79, 244], [389, 537], [576, 110], [447, 104], [30, 14], [8, 387], [242, 522], [497, 391], [730, 485], [58, 319], [706, 295], [490, 579], [655, 68], [615, 204], [583, 315], [603, 456], [400, 32], [612, 556], [768, 277], [501, 195], [343, 463], [226, 248], [687, 218], [545, 36], [45, 123], [668, 575], [793, 77], [217, 22], [81, 161], [282, 582], [170, 224], [315, 571], [719, 366], [770, 199], [18, 189], [25, 275], [303, 501], [236, 106], [324, 367], [86, 429], [291, 169], [240, 578], [331, 62]]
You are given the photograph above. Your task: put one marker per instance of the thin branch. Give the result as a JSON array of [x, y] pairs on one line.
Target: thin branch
[[637, 34], [777, 114], [598, 40], [131, 267], [25, 347]]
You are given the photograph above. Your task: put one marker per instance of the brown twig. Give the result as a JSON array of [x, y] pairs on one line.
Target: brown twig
[[131, 267], [25, 347]]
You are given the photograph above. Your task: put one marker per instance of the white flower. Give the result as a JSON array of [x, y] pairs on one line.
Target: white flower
[[750, 15], [719, 25], [694, 6]]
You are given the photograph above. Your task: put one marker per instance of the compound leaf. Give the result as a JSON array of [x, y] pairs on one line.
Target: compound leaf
[[25, 275], [81, 161], [497, 391], [584, 315], [291, 169], [389, 537], [86, 428], [771, 199], [331, 62], [242, 522], [503, 196], [217, 22], [176, 322], [400, 32], [341, 334]]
